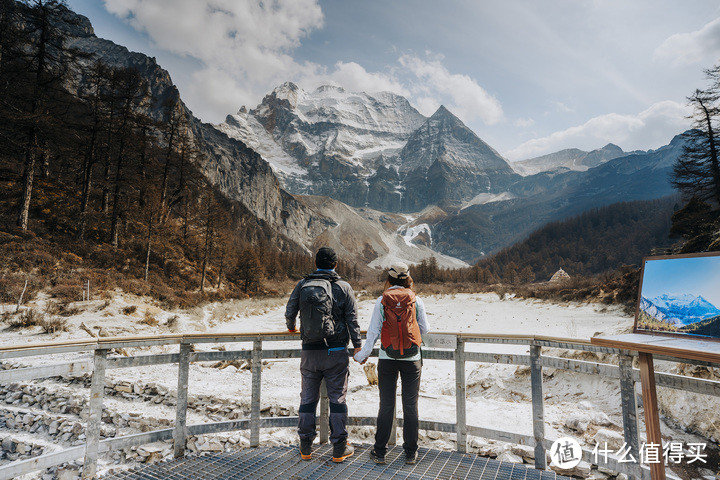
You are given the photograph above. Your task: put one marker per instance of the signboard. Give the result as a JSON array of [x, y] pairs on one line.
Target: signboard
[[440, 340], [680, 296]]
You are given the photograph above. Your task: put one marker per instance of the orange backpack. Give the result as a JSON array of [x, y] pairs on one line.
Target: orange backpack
[[400, 330]]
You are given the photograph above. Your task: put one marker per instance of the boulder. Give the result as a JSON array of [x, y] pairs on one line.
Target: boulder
[[581, 470], [211, 445], [598, 475], [508, 456], [578, 422], [8, 445], [614, 440], [125, 387], [523, 451]]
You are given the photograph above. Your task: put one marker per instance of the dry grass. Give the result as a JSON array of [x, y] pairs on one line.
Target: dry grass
[[149, 319], [129, 310], [27, 318], [6, 316], [52, 324], [247, 307], [63, 309], [172, 322]]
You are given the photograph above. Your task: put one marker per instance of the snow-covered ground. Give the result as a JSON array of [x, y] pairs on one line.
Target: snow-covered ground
[[498, 396], [482, 313]]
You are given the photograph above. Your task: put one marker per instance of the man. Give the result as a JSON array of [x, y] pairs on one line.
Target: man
[[328, 319]]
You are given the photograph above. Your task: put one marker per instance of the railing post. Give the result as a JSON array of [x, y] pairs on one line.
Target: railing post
[[538, 406], [628, 398], [324, 408], [460, 412], [180, 432], [255, 400], [97, 390]]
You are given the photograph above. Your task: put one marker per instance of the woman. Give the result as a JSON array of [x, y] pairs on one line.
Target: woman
[[399, 321]]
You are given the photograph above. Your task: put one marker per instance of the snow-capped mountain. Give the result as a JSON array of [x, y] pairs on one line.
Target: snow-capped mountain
[[568, 159], [367, 149], [681, 310], [327, 141]]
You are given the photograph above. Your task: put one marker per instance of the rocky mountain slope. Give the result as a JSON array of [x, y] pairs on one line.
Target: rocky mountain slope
[[375, 238], [487, 227], [239, 171]]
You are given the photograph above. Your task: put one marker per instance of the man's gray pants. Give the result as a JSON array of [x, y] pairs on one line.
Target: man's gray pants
[[333, 367]]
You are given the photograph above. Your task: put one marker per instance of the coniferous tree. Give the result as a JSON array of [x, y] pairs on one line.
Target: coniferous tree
[[43, 80], [248, 271], [131, 91]]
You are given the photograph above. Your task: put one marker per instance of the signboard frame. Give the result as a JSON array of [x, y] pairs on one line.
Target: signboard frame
[[643, 331]]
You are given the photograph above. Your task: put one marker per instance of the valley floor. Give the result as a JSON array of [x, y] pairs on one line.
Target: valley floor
[[498, 395]]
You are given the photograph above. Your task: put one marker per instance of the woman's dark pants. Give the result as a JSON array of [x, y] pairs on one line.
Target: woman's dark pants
[[388, 371]]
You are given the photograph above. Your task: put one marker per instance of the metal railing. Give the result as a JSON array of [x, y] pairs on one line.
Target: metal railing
[[441, 347]]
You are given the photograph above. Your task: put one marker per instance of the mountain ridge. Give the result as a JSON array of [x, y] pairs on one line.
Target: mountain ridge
[[569, 158], [368, 149]]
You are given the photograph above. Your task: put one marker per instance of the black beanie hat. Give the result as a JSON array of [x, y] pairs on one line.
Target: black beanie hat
[[326, 258]]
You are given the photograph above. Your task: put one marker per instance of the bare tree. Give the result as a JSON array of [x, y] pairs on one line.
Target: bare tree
[[697, 171], [131, 93]]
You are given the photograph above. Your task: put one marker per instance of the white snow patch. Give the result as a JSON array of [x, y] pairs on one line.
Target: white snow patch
[[483, 198], [411, 233]]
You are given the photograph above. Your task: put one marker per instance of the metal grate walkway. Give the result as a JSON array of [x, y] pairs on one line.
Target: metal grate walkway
[[285, 463]]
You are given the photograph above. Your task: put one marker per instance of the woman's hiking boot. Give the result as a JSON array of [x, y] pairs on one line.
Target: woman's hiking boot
[[411, 458], [306, 449], [377, 458], [341, 451]]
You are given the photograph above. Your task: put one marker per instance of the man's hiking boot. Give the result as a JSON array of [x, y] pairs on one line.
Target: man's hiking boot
[[306, 449], [377, 458], [411, 458], [341, 451]]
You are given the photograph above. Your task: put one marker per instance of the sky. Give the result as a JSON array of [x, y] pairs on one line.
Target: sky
[[528, 77], [698, 276]]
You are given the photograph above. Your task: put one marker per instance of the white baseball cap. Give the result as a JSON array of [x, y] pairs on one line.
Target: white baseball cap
[[399, 270]]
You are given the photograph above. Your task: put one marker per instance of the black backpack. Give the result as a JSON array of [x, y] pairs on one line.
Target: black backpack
[[316, 303]]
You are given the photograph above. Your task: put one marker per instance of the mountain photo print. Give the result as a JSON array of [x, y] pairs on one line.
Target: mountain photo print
[[680, 296]]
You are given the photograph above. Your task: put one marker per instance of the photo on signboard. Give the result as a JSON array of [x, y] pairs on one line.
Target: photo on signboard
[[680, 295]]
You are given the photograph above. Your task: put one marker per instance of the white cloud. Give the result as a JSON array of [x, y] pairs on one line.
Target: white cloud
[[246, 48], [239, 42], [652, 127], [524, 122], [465, 97], [561, 107], [353, 77], [687, 48]]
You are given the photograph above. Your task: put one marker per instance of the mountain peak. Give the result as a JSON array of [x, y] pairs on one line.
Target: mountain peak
[[611, 146], [446, 138], [287, 94], [442, 112], [286, 87]]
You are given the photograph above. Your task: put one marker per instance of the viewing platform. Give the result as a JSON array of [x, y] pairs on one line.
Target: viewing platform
[[284, 463], [96, 356]]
